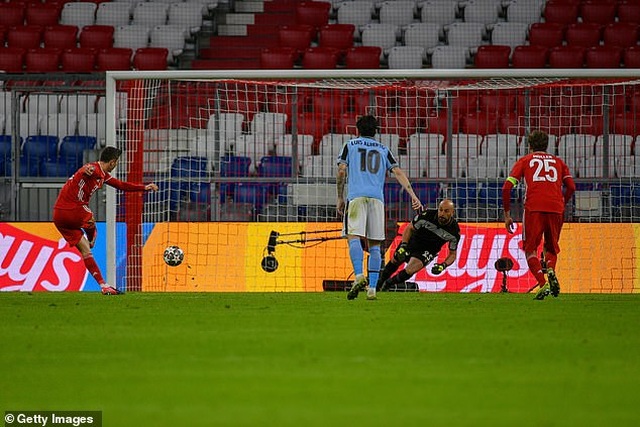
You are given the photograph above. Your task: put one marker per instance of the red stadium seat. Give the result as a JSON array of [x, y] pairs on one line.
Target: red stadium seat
[[566, 57], [278, 58], [42, 60], [3, 34], [492, 56], [622, 34], [529, 57], [601, 12], [11, 14], [561, 12], [78, 60], [512, 124], [629, 11], [631, 57], [11, 59], [363, 57], [603, 57], [479, 123], [43, 14], [97, 36], [26, 36], [317, 58], [314, 13], [297, 37], [583, 34], [497, 103], [114, 58], [151, 58], [60, 36], [546, 34], [337, 36], [313, 124]]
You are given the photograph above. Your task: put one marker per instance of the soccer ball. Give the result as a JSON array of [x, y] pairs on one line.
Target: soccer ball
[[173, 256]]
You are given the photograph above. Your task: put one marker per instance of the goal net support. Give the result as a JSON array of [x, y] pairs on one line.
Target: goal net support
[[246, 161]]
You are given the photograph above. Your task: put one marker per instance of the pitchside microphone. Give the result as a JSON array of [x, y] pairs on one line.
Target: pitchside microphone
[[269, 262]]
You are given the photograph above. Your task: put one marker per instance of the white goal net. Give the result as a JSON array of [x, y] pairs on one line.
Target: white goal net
[[246, 164]]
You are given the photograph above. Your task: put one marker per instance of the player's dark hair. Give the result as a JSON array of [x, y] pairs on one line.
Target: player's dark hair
[[110, 153], [367, 126], [538, 140]]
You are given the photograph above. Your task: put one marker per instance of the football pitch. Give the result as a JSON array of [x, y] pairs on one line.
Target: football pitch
[[294, 359]]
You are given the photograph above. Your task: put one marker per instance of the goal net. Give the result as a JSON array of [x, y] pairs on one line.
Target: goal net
[[246, 165]]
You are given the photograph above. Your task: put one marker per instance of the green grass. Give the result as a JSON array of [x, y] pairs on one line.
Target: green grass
[[320, 360]]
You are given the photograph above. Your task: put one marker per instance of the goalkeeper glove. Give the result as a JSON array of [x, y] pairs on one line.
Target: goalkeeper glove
[[438, 268], [402, 252]]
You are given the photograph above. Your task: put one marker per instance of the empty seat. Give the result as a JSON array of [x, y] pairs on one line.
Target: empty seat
[[92, 124], [356, 12], [524, 11], [150, 14], [170, 37], [114, 58], [60, 36], [622, 34], [466, 34], [367, 57], [510, 34], [42, 60], [131, 36], [628, 11], [479, 123], [12, 14], [278, 58], [79, 14], [304, 146], [492, 56], [320, 58], [78, 104], [187, 16], [269, 126], [313, 13], [583, 34], [603, 57], [61, 124], [425, 145], [426, 35], [482, 11], [561, 12], [454, 57], [397, 12], [406, 57], [151, 58], [11, 59], [381, 35], [78, 60], [546, 34], [337, 36], [600, 12], [113, 13], [41, 104], [566, 57], [42, 14], [631, 57], [72, 149], [25, 36], [529, 57], [298, 37], [441, 12], [97, 36]]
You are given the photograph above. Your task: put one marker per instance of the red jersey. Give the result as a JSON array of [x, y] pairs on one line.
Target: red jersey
[[543, 175], [79, 188]]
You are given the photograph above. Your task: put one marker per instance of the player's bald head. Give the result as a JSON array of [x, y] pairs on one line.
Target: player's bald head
[[446, 210], [447, 204]]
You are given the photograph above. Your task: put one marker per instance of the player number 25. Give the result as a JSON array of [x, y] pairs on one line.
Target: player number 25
[[545, 170]]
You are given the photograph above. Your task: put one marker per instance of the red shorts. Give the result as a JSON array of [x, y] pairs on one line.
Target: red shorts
[[71, 222], [535, 225]]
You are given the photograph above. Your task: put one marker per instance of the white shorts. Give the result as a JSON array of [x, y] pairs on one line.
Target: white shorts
[[365, 218]]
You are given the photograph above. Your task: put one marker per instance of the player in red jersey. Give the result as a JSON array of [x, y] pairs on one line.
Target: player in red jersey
[[544, 175], [71, 213]]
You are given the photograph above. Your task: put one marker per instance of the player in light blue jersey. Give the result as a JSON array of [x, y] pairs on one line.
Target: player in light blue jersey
[[364, 163]]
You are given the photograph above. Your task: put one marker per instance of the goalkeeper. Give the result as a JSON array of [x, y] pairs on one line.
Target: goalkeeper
[[422, 239]]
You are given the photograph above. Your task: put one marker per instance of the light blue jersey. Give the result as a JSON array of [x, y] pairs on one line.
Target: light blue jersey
[[367, 163]]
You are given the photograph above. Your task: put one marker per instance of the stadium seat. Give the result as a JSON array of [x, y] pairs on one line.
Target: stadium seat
[[131, 36], [546, 34], [438, 12], [187, 16], [313, 124], [426, 35], [305, 143], [497, 103], [337, 36], [529, 57], [381, 35], [92, 124], [601, 12], [150, 14], [583, 34], [12, 14], [170, 37], [113, 13], [413, 165], [510, 34], [396, 12], [479, 123], [482, 11], [561, 12], [97, 36], [38, 148], [115, 58], [622, 34], [298, 37], [406, 57], [454, 57], [25, 36], [42, 60], [524, 11], [492, 56], [60, 124], [320, 58], [603, 57], [72, 150], [566, 57], [357, 13], [631, 57], [628, 11], [465, 34], [60, 36], [425, 145], [42, 14], [151, 58], [627, 124], [278, 58], [364, 57], [501, 146], [79, 14], [12, 59], [313, 13], [78, 60]]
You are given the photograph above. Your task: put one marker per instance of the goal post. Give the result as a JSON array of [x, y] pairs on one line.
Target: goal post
[[245, 161]]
